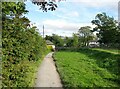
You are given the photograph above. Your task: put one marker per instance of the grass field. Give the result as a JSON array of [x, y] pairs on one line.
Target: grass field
[[114, 51], [88, 68]]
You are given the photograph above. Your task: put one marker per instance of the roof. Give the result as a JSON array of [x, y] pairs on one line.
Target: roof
[[49, 42]]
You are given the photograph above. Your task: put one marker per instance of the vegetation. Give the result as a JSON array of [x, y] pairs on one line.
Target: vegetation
[[46, 5], [57, 40], [23, 49], [114, 51], [109, 32], [22, 46], [85, 35], [88, 68], [50, 48]]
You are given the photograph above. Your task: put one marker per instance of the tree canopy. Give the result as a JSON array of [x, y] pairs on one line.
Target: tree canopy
[[57, 40], [107, 28], [46, 5], [85, 35]]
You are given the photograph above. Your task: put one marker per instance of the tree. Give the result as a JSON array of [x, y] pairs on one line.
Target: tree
[[107, 28], [69, 41], [46, 5], [85, 35], [75, 40], [57, 40]]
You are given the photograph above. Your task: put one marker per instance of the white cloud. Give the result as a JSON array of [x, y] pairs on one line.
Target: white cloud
[[100, 1], [73, 14], [111, 4], [82, 9], [93, 1], [66, 14], [61, 27], [65, 17], [60, 24]]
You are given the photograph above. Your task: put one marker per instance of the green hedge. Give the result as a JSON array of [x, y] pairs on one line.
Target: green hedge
[[22, 47]]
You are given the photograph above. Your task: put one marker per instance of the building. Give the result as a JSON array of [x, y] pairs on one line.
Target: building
[[50, 45], [94, 43]]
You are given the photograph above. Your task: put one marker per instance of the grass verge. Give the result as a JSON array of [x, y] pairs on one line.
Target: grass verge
[[114, 51], [22, 74], [88, 68]]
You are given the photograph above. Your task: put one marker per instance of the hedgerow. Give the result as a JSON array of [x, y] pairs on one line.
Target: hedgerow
[[22, 46]]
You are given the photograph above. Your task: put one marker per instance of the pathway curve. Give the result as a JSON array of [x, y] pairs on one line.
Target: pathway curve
[[47, 75]]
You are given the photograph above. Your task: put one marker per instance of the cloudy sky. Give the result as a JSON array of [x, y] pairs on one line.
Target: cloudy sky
[[70, 15]]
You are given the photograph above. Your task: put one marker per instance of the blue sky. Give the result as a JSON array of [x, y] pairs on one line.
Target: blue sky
[[70, 15]]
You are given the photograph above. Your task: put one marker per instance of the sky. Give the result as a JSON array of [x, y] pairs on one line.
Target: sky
[[70, 15]]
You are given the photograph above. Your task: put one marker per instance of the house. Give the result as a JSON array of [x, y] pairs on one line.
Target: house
[[50, 45], [94, 43]]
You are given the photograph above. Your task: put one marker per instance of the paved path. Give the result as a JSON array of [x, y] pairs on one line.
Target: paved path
[[47, 75]]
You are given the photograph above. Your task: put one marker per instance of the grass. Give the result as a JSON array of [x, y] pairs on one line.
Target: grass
[[87, 68], [114, 51]]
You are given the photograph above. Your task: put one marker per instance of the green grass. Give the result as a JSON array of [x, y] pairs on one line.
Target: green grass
[[87, 68], [114, 51]]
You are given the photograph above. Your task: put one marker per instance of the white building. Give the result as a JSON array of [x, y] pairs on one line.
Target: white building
[[94, 43]]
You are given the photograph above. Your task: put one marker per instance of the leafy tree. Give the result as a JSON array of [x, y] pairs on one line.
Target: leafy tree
[[57, 40], [69, 42], [85, 35], [107, 28], [72, 41], [46, 5], [75, 40]]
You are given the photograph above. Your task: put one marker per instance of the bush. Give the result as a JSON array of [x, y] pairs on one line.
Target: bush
[[22, 46], [49, 47]]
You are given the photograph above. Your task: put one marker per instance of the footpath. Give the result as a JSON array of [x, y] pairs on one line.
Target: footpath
[[47, 75]]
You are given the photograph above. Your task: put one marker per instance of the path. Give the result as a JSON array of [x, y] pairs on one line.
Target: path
[[47, 75]]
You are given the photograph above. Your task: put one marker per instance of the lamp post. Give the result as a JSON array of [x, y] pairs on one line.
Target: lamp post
[[43, 31]]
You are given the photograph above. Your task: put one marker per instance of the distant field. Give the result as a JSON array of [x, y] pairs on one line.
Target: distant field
[[114, 51], [88, 68]]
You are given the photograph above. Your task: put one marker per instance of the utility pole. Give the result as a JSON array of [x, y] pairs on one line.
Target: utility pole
[[43, 31]]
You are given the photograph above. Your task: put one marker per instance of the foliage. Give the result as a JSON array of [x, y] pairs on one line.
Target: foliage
[[68, 42], [57, 40], [114, 51], [72, 41], [22, 46], [75, 40], [46, 5], [88, 68], [107, 28], [50, 48], [85, 35]]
